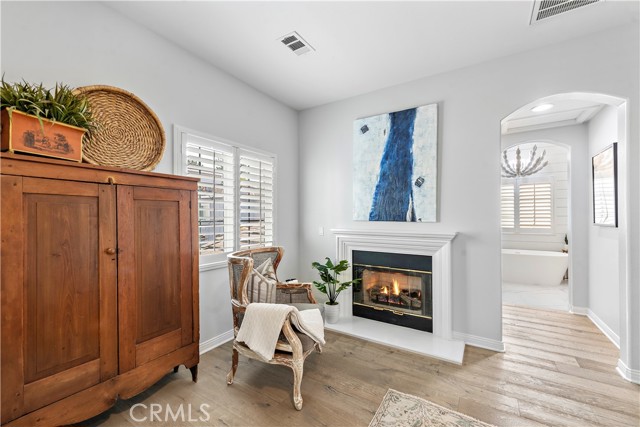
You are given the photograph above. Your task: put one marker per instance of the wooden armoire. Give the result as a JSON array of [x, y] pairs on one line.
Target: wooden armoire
[[99, 291]]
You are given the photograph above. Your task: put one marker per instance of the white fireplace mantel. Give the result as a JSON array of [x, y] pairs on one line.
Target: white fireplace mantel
[[438, 246]]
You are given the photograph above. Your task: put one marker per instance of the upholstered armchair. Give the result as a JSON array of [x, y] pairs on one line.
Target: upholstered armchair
[[251, 279]]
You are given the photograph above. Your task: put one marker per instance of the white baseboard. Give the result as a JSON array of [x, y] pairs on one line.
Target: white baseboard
[[582, 311], [627, 373], [632, 375], [214, 342], [481, 342], [606, 330]]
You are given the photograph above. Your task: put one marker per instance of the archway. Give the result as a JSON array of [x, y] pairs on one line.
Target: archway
[[589, 109]]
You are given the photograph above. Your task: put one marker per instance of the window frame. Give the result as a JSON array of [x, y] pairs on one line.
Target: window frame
[[180, 133], [517, 182]]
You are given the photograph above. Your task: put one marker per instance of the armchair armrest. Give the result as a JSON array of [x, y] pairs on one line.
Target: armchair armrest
[[294, 292]]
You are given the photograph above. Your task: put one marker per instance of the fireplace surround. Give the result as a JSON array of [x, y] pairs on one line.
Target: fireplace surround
[[439, 343]]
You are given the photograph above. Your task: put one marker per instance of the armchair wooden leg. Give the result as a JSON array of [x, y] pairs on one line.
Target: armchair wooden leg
[[234, 367], [318, 348], [297, 367], [194, 373]]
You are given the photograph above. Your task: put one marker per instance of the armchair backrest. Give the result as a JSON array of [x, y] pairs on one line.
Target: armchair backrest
[[241, 264]]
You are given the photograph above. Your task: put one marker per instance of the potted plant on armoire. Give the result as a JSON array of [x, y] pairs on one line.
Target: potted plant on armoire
[[45, 122]]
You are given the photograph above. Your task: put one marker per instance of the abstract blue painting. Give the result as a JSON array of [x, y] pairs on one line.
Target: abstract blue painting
[[395, 166]]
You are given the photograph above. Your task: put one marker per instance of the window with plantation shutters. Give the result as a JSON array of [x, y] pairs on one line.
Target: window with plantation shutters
[[255, 186], [535, 206], [214, 165], [526, 207], [235, 194]]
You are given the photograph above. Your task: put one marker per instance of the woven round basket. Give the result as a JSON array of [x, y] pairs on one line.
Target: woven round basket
[[128, 134]]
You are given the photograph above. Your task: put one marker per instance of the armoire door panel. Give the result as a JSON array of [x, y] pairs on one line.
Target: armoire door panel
[[68, 289], [157, 236], [62, 283], [155, 273]]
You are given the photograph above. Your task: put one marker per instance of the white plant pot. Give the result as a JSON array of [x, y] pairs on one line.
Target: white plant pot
[[332, 313]]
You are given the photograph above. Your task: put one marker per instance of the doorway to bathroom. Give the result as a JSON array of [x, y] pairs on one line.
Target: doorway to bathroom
[[576, 127], [535, 206]]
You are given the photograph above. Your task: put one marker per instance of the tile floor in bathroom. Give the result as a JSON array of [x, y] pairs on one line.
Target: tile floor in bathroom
[[549, 297]]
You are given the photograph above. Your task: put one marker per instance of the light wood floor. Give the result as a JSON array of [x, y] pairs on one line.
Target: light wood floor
[[558, 369]]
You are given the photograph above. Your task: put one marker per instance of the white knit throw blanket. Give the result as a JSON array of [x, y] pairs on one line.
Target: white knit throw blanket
[[263, 322]]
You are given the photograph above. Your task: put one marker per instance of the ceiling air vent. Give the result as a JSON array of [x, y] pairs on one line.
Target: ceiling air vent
[[296, 43], [543, 9]]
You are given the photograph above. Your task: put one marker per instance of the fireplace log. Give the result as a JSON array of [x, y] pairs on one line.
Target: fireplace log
[[408, 298], [405, 299]]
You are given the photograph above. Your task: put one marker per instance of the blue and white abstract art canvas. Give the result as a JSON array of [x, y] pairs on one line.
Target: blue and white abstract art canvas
[[395, 166]]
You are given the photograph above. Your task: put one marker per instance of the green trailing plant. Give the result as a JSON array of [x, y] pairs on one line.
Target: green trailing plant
[[60, 104], [329, 276]]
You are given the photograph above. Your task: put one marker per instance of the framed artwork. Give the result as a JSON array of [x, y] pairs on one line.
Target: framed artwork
[[605, 186], [395, 166]]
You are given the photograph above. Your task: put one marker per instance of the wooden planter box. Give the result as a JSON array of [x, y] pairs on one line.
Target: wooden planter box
[[24, 133]]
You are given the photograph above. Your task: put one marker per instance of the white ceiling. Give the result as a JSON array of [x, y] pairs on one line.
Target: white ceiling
[[565, 112], [361, 46]]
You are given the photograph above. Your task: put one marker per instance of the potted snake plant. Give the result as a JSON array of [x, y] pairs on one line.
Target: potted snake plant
[[45, 122], [331, 285]]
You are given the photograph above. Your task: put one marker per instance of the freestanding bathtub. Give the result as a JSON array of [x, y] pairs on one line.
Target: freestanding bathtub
[[527, 267]]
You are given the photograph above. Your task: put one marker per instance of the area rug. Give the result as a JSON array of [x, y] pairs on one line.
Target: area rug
[[405, 410]]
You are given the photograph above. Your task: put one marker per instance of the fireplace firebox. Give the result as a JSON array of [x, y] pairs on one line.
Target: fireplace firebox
[[394, 288]]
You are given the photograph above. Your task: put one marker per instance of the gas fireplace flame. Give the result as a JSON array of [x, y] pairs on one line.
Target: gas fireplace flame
[[396, 287]]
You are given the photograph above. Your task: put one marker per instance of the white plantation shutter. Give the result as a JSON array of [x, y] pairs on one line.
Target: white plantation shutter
[[526, 207], [507, 206], [235, 194], [214, 164], [255, 196], [535, 206]]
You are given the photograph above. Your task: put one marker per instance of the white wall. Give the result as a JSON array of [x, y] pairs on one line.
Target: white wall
[[557, 173], [86, 43], [604, 292], [472, 101]]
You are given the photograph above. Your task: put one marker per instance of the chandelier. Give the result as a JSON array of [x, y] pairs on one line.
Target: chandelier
[[533, 166]]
